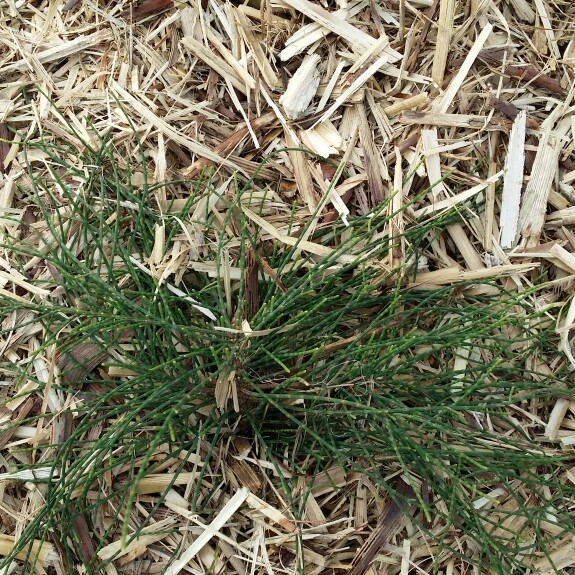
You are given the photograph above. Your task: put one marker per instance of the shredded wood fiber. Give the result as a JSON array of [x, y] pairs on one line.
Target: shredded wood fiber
[[433, 105]]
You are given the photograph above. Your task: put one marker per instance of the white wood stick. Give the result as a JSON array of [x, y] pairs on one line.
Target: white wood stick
[[512, 182]]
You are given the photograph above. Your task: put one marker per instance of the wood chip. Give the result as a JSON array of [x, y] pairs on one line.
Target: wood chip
[[512, 183]]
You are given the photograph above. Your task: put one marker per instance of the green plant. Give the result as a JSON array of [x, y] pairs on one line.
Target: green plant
[[329, 362]]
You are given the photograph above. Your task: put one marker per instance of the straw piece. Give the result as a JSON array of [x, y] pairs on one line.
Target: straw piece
[[38, 474], [548, 28], [450, 276], [43, 550], [444, 31], [302, 174], [371, 158], [372, 52], [168, 130], [465, 247], [302, 38], [432, 162], [534, 204], [324, 140], [157, 482], [328, 481], [433, 118], [225, 514], [562, 254], [407, 104], [556, 418], [17, 279], [512, 183]]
